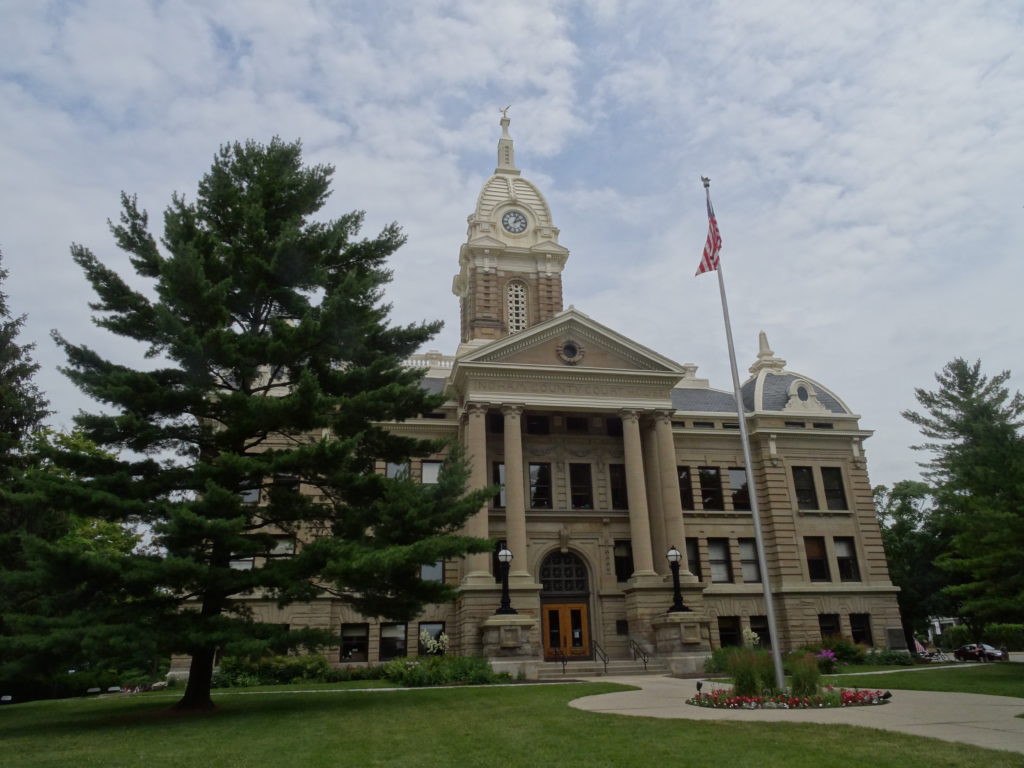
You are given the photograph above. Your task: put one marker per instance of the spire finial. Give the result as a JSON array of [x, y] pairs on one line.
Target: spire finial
[[765, 357], [506, 152]]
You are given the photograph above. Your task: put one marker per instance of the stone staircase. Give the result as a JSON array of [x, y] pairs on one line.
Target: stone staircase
[[575, 669]]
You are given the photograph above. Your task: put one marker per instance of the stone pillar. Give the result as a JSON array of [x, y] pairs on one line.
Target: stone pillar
[[668, 476], [653, 487], [477, 565], [515, 493], [636, 491]]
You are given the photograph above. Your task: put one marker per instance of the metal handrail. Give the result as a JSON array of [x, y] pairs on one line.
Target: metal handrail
[[599, 652], [560, 656], [638, 652]]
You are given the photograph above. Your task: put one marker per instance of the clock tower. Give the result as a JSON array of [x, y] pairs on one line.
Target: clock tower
[[510, 267]]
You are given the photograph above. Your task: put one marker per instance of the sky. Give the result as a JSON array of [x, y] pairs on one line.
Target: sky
[[866, 162]]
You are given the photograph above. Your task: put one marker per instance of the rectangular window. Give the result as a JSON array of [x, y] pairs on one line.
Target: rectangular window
[[796, 424], [577, 425], [249, 495], [748, 562], [286, 483], [729, 631], [759, 626], [738, 488], [718, 561], [860, 628], [704, 425], [828, 624], [621, 627], [394, 470], [685, 487], [730, 425], [623, 560], [538, 425], [832, 482], [430, 472], [432, 571], [823, 425], [283, 546], [617, 486], [242, 563], [392, 641], [496, 423], [614, 426], [581, 486], [803, 484], [711, 487], [817, 558], [693, 557], [846, 559], [498, 479], [355, 642], [430, 630], [540, 486]]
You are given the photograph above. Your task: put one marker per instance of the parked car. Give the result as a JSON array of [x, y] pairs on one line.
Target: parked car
[[980, 652]]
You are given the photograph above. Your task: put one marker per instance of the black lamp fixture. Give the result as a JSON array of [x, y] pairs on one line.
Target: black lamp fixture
[[505, 559], [674, 557]]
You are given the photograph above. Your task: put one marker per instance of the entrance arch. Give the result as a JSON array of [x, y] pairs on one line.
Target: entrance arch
[[565, 615]]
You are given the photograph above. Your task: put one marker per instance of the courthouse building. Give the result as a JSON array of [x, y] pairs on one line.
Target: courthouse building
[[608, 454]]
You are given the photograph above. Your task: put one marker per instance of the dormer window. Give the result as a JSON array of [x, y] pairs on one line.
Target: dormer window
[[515, 300]]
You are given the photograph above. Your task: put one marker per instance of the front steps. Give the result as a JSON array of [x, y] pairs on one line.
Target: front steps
[[552, 670]]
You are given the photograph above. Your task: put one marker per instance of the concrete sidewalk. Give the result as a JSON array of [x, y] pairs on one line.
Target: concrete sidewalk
[[985, 721]]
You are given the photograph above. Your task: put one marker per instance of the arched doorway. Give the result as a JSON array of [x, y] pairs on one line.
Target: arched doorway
[[565, 594]]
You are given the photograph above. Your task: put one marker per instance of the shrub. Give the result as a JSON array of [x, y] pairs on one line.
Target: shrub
[[846, 651], [718, 661], [805, 674], [751, 672], [956, 636], [1009, 636], [442, 670], [239, 671], [889, 656]]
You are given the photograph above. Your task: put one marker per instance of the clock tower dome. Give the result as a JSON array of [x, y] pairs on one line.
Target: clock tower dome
[[510, 267]]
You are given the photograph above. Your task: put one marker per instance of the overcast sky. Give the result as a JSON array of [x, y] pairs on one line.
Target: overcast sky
[[866, 162]]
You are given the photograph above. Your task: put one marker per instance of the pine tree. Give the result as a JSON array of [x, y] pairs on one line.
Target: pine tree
[[274, 369], [977, 467]]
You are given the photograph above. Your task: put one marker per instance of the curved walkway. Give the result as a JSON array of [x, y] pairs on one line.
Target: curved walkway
[[985, 721]]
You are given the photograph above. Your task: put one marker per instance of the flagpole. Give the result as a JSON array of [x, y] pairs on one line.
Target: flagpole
[[769, 607]]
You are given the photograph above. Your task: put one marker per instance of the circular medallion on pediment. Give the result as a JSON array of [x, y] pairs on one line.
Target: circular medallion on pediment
[[570, 352]]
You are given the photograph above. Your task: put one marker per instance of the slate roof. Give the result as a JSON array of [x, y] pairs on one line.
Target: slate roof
[[776, 392], [433, 384], [703, 400]]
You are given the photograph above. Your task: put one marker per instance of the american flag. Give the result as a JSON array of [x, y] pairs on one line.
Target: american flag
[[709, 260]]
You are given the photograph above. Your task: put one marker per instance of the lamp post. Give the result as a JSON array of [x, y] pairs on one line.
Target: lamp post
[[674, 557], [505, 559]]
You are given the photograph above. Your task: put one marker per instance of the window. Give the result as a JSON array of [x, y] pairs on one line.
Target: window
[[759, 626], [711, 487], [578, 425], [623, 552], [730, 425], [496, 423], [430, 472], [817, 558], [581, 487], [394, 470], [685, 487], [796, 424], [846, 559], [693, 556], [738, 487], [392, 641], [538, 425], [495, 562], [617, 486], [250, 495], [283, 546], [242, 563], [433, 630], [718, 560], [540, 486], [832, 482], [748, 562], [614, 426], [286, 483], [729, 631], [432, 571], [860, 628], [803, 484], [828, 623], [621, 627], [515, 299], [704, 425], [823, 425], [498, 479], [355, 642]]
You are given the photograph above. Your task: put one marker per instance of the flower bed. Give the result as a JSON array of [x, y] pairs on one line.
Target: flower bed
[[830, 697]]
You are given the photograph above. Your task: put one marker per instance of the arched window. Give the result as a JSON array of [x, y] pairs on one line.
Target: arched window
[[563, 572], [515, 301]]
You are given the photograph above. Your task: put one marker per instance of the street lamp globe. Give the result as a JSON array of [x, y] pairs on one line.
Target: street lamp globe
[[674, 555], [505, 556]]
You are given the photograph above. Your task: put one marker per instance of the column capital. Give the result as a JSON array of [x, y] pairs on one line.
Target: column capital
[[477, 409], [661, 417], [512, 409], [630, 414]]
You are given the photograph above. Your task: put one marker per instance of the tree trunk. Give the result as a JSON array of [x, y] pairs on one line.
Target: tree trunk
[[200, 678]]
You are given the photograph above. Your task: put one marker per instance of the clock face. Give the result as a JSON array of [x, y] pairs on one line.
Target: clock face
[[514, 222]]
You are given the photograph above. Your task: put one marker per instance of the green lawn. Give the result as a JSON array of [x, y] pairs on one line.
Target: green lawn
[[1002, 679], [496, 727]]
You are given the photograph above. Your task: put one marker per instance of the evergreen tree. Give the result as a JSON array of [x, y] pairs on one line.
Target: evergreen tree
[[973, 424], [261, 416]]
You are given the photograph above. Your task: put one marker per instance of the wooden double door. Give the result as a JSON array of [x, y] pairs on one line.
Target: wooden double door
[[566, 627]]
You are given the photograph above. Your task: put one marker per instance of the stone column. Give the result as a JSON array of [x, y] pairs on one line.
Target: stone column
[[668, 475], [654, 506], [636, 492], [515, 493], [477, 565]]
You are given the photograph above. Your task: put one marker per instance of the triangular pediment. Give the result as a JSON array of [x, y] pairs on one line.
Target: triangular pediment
[[572, 340]]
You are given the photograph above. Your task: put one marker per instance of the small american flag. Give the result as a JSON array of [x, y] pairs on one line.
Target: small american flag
[[709, 260]]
